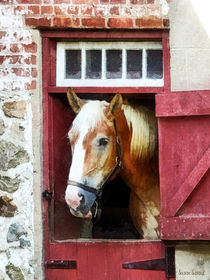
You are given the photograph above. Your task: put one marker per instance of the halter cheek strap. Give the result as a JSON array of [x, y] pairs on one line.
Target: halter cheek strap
[[99, 190]]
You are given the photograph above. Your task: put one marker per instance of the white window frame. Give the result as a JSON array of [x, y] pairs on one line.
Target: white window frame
[[103, 82]]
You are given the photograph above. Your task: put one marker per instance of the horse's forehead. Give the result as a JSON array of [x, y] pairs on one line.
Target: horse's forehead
[[90, 116]]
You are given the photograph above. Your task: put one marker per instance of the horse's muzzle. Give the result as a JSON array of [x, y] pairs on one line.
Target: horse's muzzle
[[80, 201]]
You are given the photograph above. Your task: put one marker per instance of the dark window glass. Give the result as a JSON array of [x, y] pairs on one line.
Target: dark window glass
[[113, 64], [134, 64], [73, 64], [154, 64], [93, 64]]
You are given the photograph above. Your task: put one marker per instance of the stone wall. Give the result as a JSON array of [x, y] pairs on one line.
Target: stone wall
[[20, 186], [21, 249]]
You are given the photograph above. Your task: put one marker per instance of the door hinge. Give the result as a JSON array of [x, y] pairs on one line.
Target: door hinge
[[47, 195], [61, 264], [166, 264]]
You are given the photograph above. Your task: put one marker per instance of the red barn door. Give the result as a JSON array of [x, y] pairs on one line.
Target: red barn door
[[184, 150]]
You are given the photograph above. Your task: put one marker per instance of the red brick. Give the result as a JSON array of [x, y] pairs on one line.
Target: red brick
[[29, 2], [114, 10], [38, 22], [120, 23], [137, 1], [47, 1], [2, 34], [46, 10], [59, 10], [34, 10], [93, 22], [90, 2], [30, 86], [99, 11], [104, 1], [19, 10], [117, 1], [73, 10], [34, 72], [61, 1], [149, 22], [14, 59], [2, 59], [6, 2], [65, 22], [21, 72], [30, 60], [2, 47], [14, 48], [87, 11], [11, 59], [150, 1], [31, 48]]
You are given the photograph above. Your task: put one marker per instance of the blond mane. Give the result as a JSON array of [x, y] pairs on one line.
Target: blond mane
[[144, 131]]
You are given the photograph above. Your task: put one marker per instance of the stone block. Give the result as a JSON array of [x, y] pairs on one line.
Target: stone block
[[15, 232], [8, 184], [24, 243], [11, 155], [15, 109], [7, 207], [2, 126], [14, 272]]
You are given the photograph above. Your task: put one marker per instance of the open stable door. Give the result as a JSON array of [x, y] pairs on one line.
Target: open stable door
[[184, 161]]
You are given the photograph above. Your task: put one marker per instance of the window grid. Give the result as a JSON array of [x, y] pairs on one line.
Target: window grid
[[83, 46]]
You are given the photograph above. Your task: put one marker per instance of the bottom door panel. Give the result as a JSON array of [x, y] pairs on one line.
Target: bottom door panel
[[105, 261]]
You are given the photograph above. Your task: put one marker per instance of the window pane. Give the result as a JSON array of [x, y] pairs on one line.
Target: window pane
[[113, 64], [93, 64], [73, 64], [154, 64], [134, 64]]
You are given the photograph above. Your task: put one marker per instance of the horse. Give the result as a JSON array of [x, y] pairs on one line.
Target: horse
[[110, 139]]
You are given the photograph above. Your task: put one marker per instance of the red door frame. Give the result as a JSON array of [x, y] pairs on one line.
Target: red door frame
[[49, 40]]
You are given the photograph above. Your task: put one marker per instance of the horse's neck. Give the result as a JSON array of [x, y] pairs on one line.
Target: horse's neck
[[139, 158]]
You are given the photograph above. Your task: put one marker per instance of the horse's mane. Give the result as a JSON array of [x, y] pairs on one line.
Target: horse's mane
[[141, 121]]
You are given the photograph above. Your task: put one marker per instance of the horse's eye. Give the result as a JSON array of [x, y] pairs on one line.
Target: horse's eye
[[103, 142]]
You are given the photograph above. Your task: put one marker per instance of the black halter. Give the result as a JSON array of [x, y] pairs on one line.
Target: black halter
[[96, 208]]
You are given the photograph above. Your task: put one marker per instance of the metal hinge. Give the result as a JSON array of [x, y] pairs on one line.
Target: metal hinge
[[61, 264], [166, 264], [47, 195]]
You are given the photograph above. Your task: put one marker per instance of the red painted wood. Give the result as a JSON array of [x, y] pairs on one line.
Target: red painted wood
[[130, 91], [185, 228], [183, 104], [184, 137], [103, 260], [166, 61], [103, 34], [190, 183]]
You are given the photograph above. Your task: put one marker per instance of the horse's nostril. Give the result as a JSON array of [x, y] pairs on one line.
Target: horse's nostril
[[82, 198]]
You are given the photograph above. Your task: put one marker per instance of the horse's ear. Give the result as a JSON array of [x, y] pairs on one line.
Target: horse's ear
[[114, 106], [74, 101]]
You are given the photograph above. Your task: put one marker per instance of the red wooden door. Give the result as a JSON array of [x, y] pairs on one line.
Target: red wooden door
[[104, 260], [67, 256], [184, 149]]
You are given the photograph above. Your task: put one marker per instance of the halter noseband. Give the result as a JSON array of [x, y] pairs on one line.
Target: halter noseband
[[96, 208]]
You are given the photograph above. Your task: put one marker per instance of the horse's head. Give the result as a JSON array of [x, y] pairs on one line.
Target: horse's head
[[94, 144]]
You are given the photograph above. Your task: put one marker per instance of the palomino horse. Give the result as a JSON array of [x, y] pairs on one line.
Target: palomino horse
[[109, 139]]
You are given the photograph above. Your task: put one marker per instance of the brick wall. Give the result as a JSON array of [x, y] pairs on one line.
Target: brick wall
[[20, 114]]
